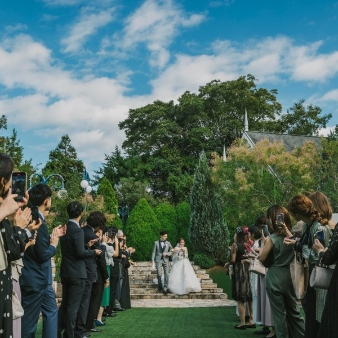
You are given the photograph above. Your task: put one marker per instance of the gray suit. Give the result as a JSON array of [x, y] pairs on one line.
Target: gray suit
[[157, 256]]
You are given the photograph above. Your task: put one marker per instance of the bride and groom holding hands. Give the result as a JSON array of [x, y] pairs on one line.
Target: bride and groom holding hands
[[182, 278]]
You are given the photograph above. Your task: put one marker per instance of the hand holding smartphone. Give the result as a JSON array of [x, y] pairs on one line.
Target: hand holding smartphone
[[280, 220], [19, 185]]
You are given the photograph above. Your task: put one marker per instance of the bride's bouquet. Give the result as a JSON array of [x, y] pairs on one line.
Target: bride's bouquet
[[180, 253]]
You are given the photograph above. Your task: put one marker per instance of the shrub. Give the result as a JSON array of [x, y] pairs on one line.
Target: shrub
[[203, 260], [142, 230], [166, 215]]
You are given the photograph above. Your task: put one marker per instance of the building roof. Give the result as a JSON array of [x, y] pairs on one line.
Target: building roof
[[290, 142]]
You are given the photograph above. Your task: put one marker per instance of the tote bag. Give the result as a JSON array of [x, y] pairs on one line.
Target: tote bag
[[299, 269]]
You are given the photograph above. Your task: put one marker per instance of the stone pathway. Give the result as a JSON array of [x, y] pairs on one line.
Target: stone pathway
[[179, 303]]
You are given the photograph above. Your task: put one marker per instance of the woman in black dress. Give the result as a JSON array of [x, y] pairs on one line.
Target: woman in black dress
[[125, 287], [12, 240], [241, 288], [329, 324]]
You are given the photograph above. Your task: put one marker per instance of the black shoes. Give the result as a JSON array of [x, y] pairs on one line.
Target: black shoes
[[95, 330], [265, 330], [165, 292], [105, 314], [119, 309]]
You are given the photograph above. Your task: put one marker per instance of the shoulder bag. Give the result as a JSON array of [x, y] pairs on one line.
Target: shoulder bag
[[257, 267], [17, 307], [321, 277]]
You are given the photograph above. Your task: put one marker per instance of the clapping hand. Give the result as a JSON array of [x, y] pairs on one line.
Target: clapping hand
[[92, 242], [61, 230]]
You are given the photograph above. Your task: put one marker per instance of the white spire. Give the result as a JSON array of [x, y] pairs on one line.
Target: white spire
[[246, 123], [224, 154]]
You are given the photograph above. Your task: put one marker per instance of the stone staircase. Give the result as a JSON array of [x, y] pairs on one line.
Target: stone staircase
[[142, 286]]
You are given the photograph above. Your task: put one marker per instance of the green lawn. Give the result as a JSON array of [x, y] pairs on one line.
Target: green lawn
[[217, 322]]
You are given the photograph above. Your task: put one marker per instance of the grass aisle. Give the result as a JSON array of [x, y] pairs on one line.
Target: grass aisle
[[173, 322], [217, 322]]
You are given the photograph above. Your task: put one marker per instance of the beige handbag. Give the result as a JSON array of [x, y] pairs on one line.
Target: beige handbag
[[321, 277], [257, 267], [17, 307], [299, 269], [3, 255]]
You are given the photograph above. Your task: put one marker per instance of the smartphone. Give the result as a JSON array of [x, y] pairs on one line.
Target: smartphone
[[280, 220], [320, 236], [35, 214], [19, 185]]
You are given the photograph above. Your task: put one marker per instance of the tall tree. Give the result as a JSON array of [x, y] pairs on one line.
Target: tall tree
[[301, 120], [63, 160], [251, 180], [183, 222], [106, 190], [166, 138], [208, 230], [130, 191]]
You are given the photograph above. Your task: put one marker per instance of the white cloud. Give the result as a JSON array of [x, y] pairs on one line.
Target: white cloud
[[48, 17], [88, 108], [156, 24], [16, 28], [62, 2], [86, 25]]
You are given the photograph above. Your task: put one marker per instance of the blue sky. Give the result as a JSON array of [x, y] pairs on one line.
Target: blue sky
[[78, 66]]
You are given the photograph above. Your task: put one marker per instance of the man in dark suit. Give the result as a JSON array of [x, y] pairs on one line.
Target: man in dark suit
[[95, 220], [36, 279], [73, 270]]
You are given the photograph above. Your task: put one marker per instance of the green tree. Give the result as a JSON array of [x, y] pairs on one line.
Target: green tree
[[208, 230], [301, 120], [165, 138], [130, 191], [63, 160], [166, 214], [183, 222], [106, 190], [327, 179], [252, 179], [142, 230]]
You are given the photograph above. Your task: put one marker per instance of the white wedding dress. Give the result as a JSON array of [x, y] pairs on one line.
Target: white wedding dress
[[182, 277]]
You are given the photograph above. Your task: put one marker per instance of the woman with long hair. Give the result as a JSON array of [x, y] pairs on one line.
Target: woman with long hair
[[322, 205], [12, 245], [262, 310], [241, 289], [279, 287], [301, 208]]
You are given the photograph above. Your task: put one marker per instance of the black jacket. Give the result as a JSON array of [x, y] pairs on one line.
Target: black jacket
[[74, 252]]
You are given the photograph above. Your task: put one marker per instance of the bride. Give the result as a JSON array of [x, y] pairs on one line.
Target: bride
[[182, 278]]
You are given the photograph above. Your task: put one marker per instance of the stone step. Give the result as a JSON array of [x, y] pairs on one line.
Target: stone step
[[152, 291], [173, 296]]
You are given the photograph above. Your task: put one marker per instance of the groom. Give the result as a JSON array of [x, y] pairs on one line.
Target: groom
[[161, 252]]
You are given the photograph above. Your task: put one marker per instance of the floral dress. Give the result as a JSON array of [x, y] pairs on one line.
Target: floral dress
[[241, 287], [13, 239]]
